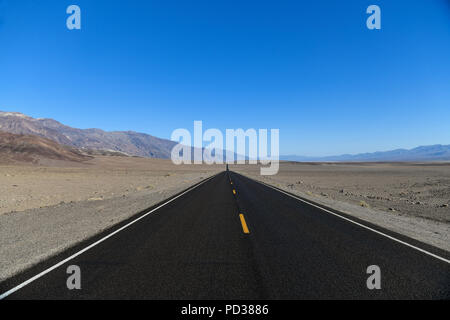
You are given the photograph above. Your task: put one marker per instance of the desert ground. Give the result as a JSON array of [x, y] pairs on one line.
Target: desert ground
[[45, 209], [409, 198], [25, 187]]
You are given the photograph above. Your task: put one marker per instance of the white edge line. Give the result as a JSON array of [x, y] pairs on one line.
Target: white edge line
[[39, 275], [359, 224]]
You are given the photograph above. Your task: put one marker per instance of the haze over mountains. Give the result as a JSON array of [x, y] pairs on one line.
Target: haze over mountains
[[97, 141], [436, 152]]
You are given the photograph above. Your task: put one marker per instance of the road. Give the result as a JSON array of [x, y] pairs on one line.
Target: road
[[234, 238]]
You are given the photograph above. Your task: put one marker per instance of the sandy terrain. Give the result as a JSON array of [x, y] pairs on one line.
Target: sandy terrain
[[412, 199], [44, 210], [27, 187]]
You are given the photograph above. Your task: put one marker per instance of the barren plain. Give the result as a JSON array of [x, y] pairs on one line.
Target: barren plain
[[409, 198], [45, 209]]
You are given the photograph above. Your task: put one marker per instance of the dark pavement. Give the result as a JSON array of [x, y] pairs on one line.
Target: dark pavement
[[195, 247]]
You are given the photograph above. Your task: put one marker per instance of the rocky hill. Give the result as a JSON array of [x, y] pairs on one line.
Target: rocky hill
[[128, 142], [34, 149]]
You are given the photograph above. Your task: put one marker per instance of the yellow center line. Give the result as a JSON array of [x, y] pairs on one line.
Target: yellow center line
[[234, 191], [244, 224]]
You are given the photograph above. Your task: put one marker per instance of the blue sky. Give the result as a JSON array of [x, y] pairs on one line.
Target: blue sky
[[310, 68]]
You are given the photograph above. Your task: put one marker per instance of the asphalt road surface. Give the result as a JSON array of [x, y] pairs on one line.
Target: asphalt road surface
[[234, 238]]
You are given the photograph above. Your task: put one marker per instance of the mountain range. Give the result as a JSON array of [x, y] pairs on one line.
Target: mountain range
[[435, 152], [128, 142], [97, 141]]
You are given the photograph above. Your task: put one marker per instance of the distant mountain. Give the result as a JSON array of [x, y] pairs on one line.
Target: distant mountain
[[125, 142], [96, 141], [436, 152], [34, 149]]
